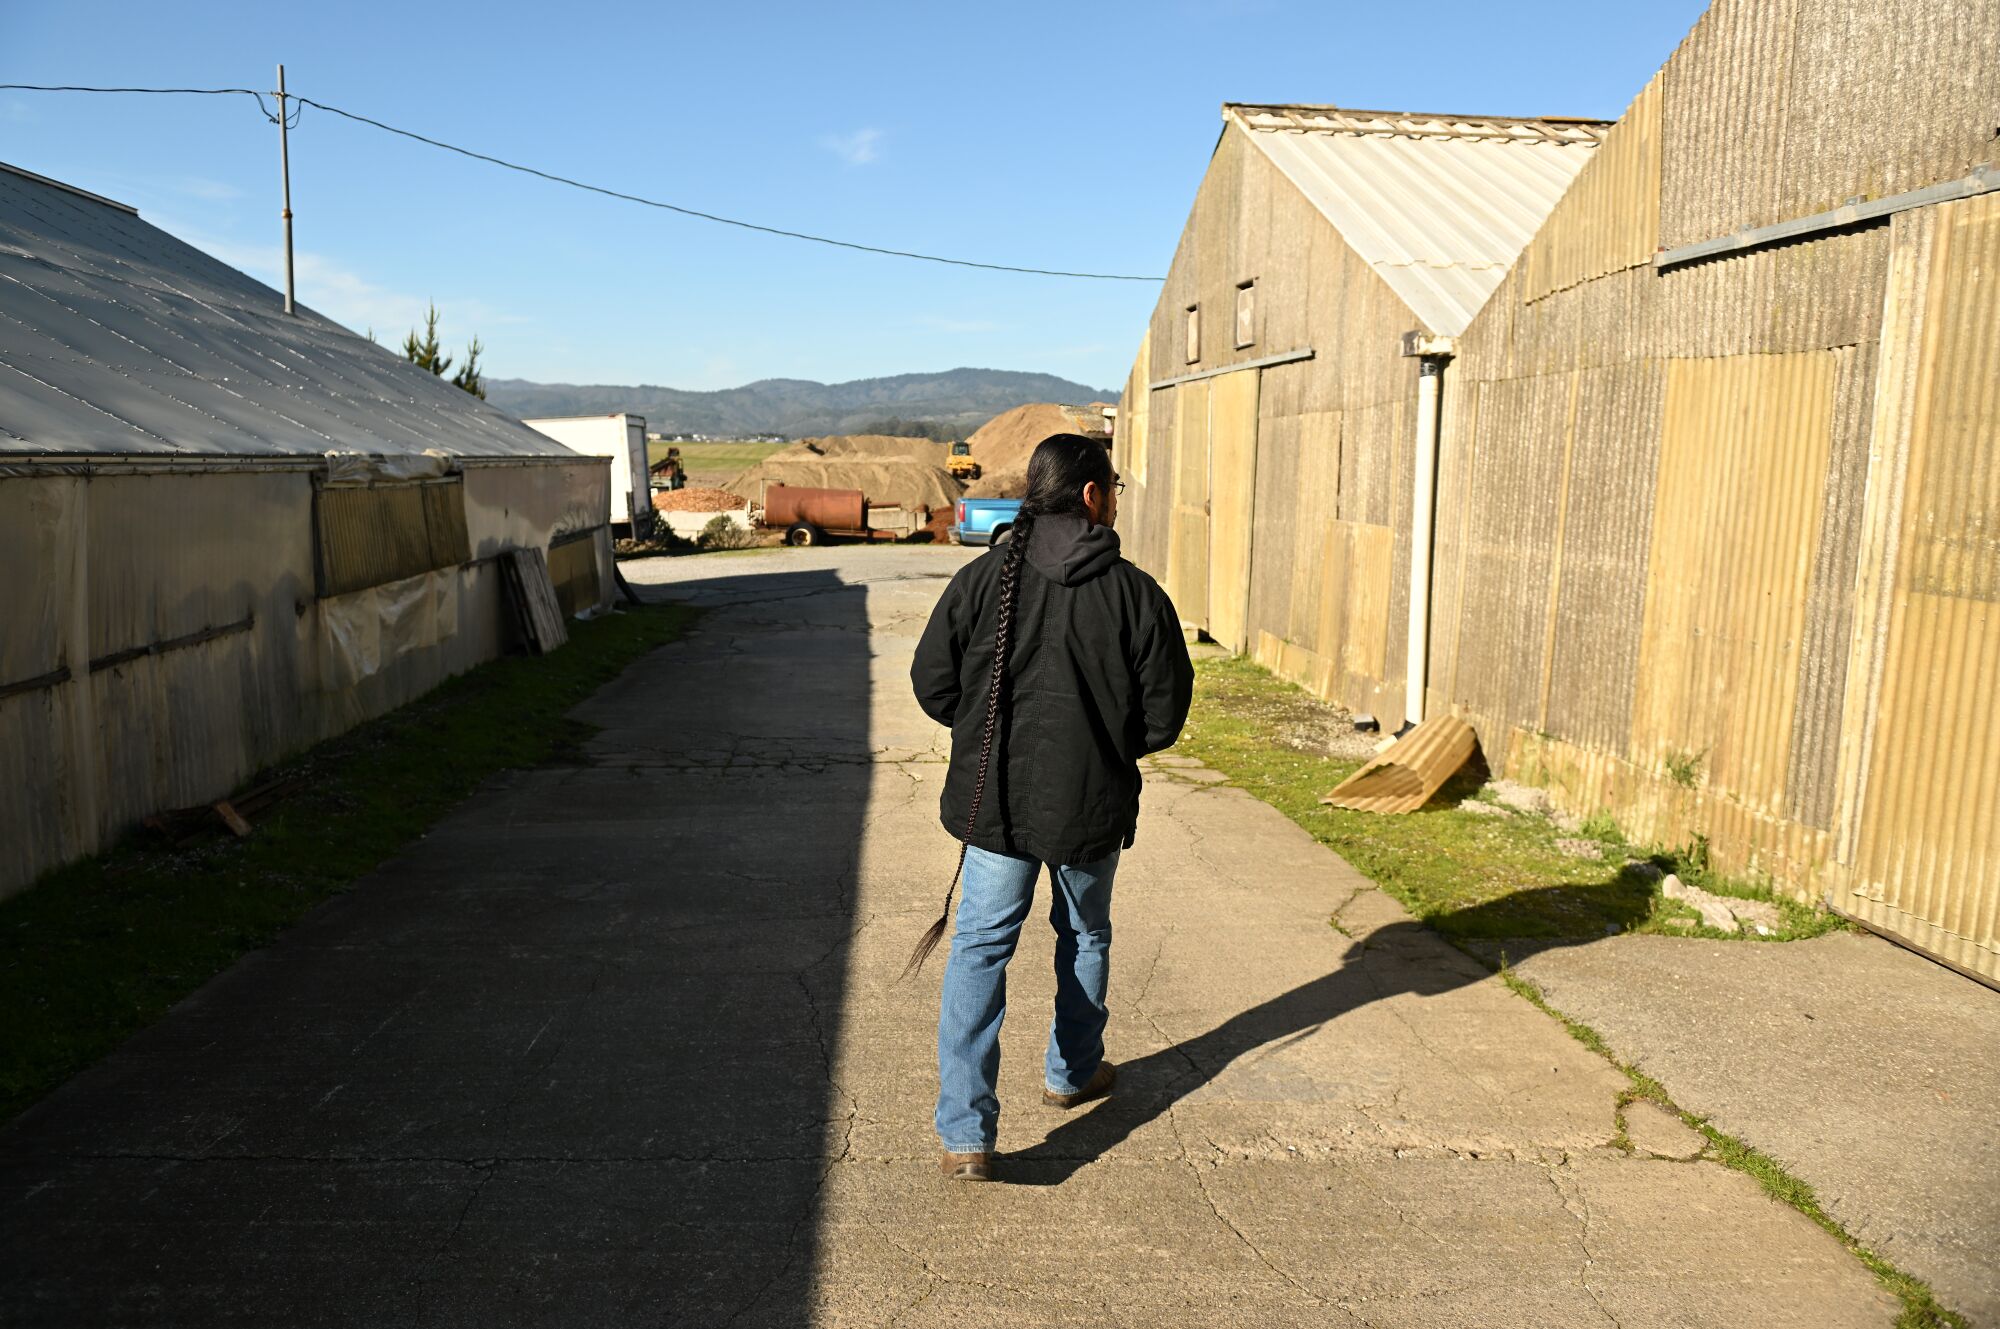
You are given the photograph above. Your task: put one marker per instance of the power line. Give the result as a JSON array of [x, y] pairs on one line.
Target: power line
[[251, 93], [600, 189]]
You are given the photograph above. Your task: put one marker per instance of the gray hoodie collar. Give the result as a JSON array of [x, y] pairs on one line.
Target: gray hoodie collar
[[1070, 549]]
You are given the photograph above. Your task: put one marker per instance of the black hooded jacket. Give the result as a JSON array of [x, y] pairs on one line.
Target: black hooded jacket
[[1097, 677]]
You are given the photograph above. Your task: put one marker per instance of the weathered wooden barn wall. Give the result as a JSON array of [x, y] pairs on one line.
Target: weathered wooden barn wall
[[1717, 543], [1328, 494]]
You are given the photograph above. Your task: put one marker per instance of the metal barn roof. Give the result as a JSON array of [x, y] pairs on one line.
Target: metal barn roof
[[118, 339], [1440, 205]]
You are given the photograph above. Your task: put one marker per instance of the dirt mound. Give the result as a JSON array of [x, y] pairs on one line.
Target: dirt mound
[[1005, 442], [872, 446], [884, 479], [698, 498], [999, 484]]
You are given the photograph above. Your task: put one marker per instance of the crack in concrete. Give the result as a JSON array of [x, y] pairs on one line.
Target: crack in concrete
[[1152, 967], [1386, 999], [1263, 1258], [1553, 1173], [424, 1278]]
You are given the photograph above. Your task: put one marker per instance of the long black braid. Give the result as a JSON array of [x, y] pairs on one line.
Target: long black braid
[[1061, 465]]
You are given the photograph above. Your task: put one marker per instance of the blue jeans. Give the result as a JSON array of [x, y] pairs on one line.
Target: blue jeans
[[993, 903]]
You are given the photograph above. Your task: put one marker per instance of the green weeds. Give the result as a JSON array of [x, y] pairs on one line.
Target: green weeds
[[1684, 768]]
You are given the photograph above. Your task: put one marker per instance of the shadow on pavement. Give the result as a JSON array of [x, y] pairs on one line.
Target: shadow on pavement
[[565, 1060], [1149, 1086]]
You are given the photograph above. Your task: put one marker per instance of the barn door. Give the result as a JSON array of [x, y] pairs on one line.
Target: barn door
[[1232, 488], [1187, 541]]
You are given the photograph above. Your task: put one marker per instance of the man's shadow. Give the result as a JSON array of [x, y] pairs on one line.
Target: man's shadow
[[1399, 958]]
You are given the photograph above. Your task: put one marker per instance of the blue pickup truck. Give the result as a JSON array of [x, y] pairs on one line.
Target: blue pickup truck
[[981, 521]]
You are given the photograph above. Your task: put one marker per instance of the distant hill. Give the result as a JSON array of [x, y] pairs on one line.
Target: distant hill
[[800, 408]]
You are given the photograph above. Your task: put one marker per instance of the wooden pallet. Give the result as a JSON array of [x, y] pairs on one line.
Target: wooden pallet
[[1403, 778], [525, 572]]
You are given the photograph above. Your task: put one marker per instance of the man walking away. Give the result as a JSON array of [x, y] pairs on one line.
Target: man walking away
[[1057, 665]]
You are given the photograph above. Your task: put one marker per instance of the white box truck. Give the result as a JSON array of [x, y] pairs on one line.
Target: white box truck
[[622, 438]]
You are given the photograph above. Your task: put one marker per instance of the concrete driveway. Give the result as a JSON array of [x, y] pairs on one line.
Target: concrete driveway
[[620, 1043]]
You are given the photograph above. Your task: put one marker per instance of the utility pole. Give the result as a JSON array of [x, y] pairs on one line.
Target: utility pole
[[285, 171]]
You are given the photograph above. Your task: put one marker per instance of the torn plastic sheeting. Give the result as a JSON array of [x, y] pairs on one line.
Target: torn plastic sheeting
[[364, 632], [361, 468]]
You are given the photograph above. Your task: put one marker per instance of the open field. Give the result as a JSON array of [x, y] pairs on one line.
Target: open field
[[715, 463]]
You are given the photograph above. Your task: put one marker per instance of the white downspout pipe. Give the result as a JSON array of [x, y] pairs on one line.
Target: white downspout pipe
[[1434, 353]]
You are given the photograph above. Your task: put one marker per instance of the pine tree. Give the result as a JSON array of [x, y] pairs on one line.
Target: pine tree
[[468, 377], [427, 353]]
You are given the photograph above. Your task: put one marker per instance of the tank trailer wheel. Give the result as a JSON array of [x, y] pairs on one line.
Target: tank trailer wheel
[[801, 534]]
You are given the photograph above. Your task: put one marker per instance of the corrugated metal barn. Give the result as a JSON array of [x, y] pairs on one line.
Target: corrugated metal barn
[[1269, 431], [228, 533], [1719, 495], [1717, 506]]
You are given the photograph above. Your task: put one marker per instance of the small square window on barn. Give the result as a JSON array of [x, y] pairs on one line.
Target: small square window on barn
[[1193, 333], [1246, 314]]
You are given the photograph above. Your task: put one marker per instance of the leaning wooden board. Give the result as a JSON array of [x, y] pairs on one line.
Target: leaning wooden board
[[533, 596]]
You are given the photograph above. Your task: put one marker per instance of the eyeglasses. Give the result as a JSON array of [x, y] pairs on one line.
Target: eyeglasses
[[1118, 486]]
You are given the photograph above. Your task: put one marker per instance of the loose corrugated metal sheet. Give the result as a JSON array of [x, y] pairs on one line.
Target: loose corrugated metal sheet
[[117, 338], [1439, 206], [1403, 778], [1927, 857]]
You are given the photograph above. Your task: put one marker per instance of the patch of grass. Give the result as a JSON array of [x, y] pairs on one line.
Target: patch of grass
[[1470, 875], [1920, 1305], [96, 951], [1467, 875], [1603, 827]]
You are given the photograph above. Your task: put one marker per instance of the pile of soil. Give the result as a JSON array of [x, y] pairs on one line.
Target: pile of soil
[[871, 446], [999, 484], [905, 471], [698, 498], [938, 532], [1005, 442]]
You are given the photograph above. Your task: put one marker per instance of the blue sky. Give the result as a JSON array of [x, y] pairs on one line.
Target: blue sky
[[1063, 136]]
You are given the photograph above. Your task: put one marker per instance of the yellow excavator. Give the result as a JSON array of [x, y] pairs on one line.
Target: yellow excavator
[[960, 462]]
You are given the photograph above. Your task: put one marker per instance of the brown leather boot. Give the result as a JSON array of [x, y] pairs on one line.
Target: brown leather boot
[[1100, 1085], [967, 1167]]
